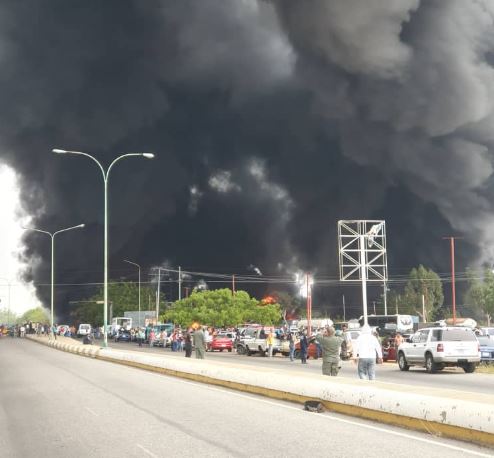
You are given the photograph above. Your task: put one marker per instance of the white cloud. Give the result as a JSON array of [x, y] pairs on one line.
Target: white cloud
[[22, 295]]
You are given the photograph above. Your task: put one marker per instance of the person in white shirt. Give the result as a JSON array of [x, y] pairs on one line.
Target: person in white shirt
[[368, 349]]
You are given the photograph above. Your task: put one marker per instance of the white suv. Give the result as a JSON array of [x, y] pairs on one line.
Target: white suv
[[438, 347]]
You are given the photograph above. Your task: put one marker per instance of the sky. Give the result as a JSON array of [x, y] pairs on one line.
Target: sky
[[270, 121]]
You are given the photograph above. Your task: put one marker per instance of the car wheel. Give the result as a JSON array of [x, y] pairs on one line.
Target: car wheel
[[247, 351], [430, 365], [402, 362], [469, 368], [240, 350]]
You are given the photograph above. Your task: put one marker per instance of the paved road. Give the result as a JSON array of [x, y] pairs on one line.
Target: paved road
[[56, 404], [453, 378]]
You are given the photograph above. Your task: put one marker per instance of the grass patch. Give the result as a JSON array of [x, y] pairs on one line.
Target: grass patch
[[485, 368]]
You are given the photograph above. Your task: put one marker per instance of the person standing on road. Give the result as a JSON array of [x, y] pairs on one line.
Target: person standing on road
[[398, 339], [291, 346], [270, 343], [304, 346], [330, 345], [141, 335], [368, 349], [188, 346], [199, 343]]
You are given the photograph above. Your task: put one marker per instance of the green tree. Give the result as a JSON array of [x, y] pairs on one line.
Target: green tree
[[123, 296], [220, 308], [423, 282], [479, 297], [7, 317], [36, 315]]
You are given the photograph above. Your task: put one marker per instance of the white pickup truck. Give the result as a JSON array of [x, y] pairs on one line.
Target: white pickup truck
[[438, 347], [253, 340]]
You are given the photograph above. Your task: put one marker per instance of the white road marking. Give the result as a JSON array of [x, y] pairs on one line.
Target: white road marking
[[326, 416], [144, 449], [92, 411]]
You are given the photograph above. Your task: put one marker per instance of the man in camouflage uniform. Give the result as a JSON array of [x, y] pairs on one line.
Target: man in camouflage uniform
[[330, 345]]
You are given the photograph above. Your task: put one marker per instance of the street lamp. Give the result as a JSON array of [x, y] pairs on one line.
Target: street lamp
[[52, 236], [106, 175], [139, 267]]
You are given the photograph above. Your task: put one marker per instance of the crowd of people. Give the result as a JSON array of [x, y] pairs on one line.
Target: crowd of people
[[332, 345]]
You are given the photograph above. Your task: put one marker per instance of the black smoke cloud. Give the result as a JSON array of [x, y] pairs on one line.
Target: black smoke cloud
[[270, 121]]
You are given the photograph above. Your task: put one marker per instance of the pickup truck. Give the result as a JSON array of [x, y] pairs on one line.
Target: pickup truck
[[253, 340]]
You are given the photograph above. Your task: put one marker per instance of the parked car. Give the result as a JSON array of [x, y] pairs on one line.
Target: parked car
[[486, 349], [438, 347], [230, 334], [122, 336], [221, 342], [487, 331]]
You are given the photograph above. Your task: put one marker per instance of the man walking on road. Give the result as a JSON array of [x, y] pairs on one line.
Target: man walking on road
[[270, 343], [368, 349], [330, 345], [304, 347], [199, 343]]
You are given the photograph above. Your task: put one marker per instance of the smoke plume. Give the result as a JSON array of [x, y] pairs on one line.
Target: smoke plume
[[270, 120]]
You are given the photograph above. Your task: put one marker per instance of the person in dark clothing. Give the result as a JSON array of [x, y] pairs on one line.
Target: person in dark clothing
[[304, 346], [188, 346]]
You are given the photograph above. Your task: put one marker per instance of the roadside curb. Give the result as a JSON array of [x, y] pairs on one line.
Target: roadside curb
[[397, 405]]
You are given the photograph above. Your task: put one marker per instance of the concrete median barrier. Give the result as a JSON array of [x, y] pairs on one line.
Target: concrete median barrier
[[464, 416]]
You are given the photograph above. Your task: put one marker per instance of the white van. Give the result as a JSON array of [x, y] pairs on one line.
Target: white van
[[84, 330]]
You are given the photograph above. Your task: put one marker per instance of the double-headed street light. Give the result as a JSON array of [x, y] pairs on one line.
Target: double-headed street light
[[52, 236], [105, 180]]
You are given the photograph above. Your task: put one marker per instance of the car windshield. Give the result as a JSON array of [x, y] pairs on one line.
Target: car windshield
[[485, 341], [457, 335]]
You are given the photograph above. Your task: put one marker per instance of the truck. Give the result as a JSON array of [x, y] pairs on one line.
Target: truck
[[119, 322], [253, 340]]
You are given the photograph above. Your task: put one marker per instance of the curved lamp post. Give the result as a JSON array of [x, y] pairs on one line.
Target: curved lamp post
[[52, 236], [105, 175]]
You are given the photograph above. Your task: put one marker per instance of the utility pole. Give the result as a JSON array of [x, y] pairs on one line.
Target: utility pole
[[309, 304], [179, 283], [453, 286], [385, 298], [424, 319], [233, 285], [344, 309], [158, 296]]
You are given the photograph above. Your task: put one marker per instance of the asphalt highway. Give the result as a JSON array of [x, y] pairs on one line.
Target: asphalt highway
[[450, 378], [57, 404]]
